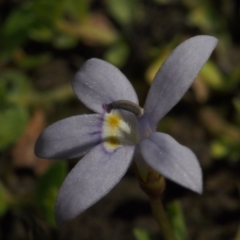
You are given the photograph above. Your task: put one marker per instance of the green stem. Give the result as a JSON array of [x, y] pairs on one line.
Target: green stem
[[161, 218]]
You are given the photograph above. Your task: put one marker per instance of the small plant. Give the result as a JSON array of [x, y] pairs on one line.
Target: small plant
[[121, 131]]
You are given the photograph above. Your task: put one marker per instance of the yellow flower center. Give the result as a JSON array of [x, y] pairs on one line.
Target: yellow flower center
[[117, 131]]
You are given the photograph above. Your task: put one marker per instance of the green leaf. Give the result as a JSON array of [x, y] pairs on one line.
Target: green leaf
[[234, 79], [78, 9], [5, 199], [64, 41], [225, 147], [18, 21], [14, 86], [41, 33], [211, 75], [125, 11], [219, 149], [236, 104], [204, 16], [117, 54], [141, 234], [48, 188], [48, 12], [12, 124], [95, 30], [31, 62], [176, 218], [15, 30]]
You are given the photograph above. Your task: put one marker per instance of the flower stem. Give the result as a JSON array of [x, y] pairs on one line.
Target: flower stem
[[161, 218], [153, 184]]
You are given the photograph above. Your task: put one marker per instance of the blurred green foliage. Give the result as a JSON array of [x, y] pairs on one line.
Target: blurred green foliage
[[14, 86], [47, 190], [141, 234], [177, 221], [6, 199]]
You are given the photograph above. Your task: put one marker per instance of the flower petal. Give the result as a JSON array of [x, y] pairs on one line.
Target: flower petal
[[176, 75], [92, 178], [174, 161], [70, 137], [99, 82]]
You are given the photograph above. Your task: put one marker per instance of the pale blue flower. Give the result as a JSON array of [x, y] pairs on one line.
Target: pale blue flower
[[112, 138]]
